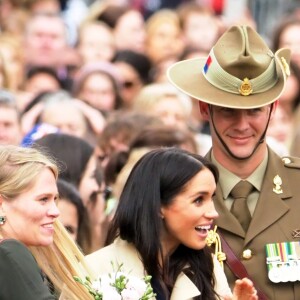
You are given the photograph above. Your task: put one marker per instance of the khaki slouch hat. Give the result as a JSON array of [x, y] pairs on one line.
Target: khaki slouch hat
[[239, 72]]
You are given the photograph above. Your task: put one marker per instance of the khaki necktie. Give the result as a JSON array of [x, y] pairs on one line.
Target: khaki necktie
[[239, 207]]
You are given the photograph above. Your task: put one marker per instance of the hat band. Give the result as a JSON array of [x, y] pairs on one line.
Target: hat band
[[218, 77]]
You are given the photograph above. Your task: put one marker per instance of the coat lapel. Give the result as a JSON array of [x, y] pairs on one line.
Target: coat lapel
[[184, 289]]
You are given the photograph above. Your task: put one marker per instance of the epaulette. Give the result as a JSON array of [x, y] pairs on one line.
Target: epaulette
[[291, 162]]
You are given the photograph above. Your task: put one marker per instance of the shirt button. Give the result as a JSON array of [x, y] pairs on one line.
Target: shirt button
[[247, 254]]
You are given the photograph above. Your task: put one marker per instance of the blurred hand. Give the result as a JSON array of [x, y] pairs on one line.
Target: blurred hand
[[244, 290]]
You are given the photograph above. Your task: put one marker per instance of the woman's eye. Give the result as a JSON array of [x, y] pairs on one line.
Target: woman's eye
[[44, 199], [70, 229], [198, 200]]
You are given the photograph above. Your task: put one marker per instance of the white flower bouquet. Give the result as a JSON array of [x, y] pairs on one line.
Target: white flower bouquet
[[119, 286]]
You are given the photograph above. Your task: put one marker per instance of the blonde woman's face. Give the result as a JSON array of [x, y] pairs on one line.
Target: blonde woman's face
[[30, 217]]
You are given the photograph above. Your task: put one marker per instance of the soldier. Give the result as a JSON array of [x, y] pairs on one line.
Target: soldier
[[238, 86]]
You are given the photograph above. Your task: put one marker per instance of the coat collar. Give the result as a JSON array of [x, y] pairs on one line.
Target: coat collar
[[184, 288]]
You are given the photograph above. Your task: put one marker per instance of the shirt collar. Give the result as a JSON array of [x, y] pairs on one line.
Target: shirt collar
[[228, 180]]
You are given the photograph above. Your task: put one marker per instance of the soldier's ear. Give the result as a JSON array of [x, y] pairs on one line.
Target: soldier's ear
[[204, 110], [274, 108]]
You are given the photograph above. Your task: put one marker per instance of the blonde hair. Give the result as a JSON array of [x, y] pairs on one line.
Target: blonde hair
[[13, 45], [62, 260], [154, 93], [160, 17], [3, 70]]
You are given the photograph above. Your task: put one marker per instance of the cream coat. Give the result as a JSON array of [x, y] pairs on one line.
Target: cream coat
[[121, 252]]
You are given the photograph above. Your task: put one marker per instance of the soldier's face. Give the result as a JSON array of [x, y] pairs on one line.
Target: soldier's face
[[239, 129]]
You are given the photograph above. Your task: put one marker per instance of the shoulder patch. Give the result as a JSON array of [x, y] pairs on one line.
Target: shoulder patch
[[291, 162]]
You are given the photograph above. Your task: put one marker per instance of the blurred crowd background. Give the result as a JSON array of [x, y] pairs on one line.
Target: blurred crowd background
[[86, 81]]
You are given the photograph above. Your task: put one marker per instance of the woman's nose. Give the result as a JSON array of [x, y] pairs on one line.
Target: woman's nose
[[211, 212], [54, 211]]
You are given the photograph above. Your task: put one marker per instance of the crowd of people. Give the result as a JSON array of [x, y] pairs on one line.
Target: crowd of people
[[132, 123]]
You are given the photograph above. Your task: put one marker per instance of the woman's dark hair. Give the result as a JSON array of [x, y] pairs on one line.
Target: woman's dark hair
[[36, 70], [295, 70], [140, 62], [111, 14], [69, 193], [71, 153], [155, 180]]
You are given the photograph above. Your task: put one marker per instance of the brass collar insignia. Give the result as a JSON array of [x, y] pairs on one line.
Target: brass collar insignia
[[277, 182]]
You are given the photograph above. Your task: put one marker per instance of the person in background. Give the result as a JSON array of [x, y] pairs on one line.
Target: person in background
[[10, 121], [285, 34], [11, 51], [127, 24], [201, 27], [44, 44], [43, 6], [66, 114], [95, 42], [40, 79], [135, 71], [98, 84], [31, 237], [173, 107], [73, 214], [169, 241], [165, 101], [164, 37], [121, 128], [257, 196], [4, 78]]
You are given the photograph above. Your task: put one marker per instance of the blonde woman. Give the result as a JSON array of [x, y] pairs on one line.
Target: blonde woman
[[31, 237]]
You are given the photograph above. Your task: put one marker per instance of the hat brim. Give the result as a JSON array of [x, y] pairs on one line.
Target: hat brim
[[187, 76]]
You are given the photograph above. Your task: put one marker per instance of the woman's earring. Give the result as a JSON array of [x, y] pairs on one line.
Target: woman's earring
[[2, 220]]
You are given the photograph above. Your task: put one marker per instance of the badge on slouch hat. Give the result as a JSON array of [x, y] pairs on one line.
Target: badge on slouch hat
[[240, 71], [283, 261]]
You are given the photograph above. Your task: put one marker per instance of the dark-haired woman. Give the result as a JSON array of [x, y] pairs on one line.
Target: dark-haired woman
[[160, 229]]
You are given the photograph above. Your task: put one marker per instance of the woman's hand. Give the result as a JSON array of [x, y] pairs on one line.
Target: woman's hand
[[244, 290]]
